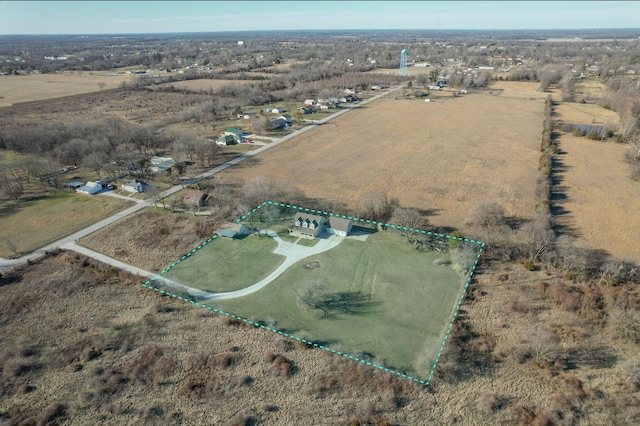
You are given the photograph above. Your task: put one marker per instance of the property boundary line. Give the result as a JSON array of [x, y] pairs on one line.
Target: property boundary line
[[149, 284]]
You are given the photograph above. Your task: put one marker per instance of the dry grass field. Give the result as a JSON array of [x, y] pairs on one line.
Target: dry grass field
[[204, 84], [124, 355], [444, 157], [35, 87], [602, 201], [577, 113]]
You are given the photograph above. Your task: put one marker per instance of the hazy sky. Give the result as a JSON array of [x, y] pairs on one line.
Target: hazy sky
[[100, 17]]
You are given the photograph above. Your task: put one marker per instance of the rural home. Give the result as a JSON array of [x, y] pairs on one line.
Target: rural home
[[191, 197], [227, 140], [310, 102], [277, 110], [234, 131], [287, 118], [306, 110], [278, 123], [311, 225], [161, 164], [92, 188], [135, 185]]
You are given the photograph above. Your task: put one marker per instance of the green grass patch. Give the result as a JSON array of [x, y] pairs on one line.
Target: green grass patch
[[381, 297], [33, 222], [228, 264], [386, 301]]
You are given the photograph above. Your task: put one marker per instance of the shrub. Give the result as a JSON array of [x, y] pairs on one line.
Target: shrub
[[529, 265]]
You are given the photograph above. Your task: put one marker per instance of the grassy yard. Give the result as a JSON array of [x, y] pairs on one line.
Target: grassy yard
[[384, 299], [32, 222], [227, 265]]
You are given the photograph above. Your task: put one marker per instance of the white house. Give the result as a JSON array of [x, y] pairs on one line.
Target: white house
[[161, 164], [92, 188], [135, 185], [311, 225], [310, 102]]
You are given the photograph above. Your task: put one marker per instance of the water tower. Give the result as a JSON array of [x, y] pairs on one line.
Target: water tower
[[403, 62]]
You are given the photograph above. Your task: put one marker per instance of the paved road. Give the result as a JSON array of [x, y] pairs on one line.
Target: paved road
[[8, 264]]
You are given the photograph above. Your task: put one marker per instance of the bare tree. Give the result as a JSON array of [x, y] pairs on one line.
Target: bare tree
[[487, 213], [310, 296], [536, 236]]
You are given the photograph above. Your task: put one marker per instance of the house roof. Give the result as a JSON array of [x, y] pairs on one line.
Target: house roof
[[338, 223], [229, 233], [233, 130], [310, 217], [135, 182]]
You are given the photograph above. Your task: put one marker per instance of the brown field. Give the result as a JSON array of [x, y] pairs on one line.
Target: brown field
[[124, 355], [36, 87], [444, 157], [204, 84], [591, 88], [602, 202], [577, 113]]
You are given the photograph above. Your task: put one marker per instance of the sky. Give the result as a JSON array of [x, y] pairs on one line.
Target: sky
[[130, 17]]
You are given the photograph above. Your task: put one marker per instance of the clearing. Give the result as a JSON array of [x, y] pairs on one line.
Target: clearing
[[36, 87], [443, 157]]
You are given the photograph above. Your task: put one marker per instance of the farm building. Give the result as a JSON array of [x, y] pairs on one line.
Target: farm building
[[74, 186], [135, 185], [232, 230], [311, 225], [306, 110]]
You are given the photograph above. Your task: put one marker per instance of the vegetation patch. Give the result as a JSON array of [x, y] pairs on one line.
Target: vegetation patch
[[385, 301]]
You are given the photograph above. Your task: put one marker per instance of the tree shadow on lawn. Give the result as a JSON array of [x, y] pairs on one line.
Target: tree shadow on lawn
[[346, 303]]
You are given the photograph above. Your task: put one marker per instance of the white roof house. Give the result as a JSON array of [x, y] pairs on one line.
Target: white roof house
[[135, 185], [92, 188], [159, 164]]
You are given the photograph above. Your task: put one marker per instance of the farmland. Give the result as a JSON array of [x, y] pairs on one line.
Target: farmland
[[442, 157], [599, 196], [36, 87]]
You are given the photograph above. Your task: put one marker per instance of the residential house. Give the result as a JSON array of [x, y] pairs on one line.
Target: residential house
[[232, 230], [227, 140], [135, 185], [279, 123], [307, 225], [74, 186], [351, 90], [92, 188], [287, 118], [277, 110], [339, 226], [306, 110], [310, 102], [234, 131], [161, 164], [311, 225]]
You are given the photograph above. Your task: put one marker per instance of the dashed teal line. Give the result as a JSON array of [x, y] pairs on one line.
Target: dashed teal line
[[308, 342]]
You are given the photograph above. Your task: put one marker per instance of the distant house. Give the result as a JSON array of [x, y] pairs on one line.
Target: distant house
[[92, 188], [135, 185], [310, 102], [350, 90], [312, 225], [279, 123], [306, 110], [234, 131], [161, 164], [191, 197], [277, 110], [246, 116], [227, 140], [287, 118]]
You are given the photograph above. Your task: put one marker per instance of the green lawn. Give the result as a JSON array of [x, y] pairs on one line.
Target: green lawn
[[385, 300], [33, 222], [228, 264]]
